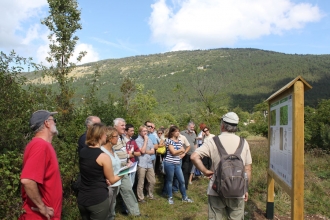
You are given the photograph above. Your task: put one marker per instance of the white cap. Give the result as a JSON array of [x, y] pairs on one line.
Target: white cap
[[231, 118]]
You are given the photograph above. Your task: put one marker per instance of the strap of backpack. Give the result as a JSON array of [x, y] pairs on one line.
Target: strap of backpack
[[240, 147], [219, 145]]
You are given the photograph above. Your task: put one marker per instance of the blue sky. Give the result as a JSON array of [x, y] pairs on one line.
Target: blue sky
[[116, 29]]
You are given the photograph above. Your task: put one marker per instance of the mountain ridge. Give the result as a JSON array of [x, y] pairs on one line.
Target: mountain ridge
[[247, 76]]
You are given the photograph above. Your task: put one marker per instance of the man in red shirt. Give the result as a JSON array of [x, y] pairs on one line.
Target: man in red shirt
[[40, 178]]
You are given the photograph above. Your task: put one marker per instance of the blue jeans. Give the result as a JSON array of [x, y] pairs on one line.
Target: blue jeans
[[172, 169], [175, 187]]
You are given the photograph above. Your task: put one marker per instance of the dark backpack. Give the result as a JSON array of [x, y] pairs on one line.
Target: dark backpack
[[230, 176]]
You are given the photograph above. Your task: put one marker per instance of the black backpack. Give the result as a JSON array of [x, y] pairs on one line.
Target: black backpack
[[230, 177]]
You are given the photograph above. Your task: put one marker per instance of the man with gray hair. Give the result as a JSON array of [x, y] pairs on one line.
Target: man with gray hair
[[219, 206], [187, 165], [90, 121], [125, 188], [41, 180]]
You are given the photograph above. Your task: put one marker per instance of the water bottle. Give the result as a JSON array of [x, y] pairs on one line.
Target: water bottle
[[246, 181]]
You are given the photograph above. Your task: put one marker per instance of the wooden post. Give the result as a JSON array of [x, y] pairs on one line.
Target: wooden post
[[297, 199], [270, 197], [270, 181]]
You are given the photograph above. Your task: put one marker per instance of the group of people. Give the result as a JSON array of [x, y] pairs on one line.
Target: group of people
[[104, 150]]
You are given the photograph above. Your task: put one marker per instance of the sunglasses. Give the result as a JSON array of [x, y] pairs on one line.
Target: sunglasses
[[160, 133], [149, 126], [206, 130], [54, 119]]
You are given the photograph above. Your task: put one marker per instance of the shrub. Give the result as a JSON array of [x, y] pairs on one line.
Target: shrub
[[317, 126], [10, 199]]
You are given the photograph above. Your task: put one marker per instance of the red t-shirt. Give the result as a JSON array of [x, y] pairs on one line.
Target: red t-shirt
[[40, 164], [131, 146]]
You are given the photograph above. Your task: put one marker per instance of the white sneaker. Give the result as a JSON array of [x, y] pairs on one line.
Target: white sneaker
[[170, 201], [187, 200]]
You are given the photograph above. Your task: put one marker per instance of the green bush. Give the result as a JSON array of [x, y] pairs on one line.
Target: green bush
[[317, 126], [260, 125], [10, 198], [243, 134]]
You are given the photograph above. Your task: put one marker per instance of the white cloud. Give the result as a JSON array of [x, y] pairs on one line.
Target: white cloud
[[32, 34], [203, 24], [21, 30], [91, 55], [120, 45], [13, 14], [43, 49]]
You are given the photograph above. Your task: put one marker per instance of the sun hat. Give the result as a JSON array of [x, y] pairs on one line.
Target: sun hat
[[231, 118]]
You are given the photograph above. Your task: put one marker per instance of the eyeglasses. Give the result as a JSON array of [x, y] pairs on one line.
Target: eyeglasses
[[54, 119]]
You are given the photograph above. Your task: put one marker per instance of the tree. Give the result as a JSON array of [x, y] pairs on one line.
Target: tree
[[207, 90], [63, 22], [127, 88], [180, 94], [317, 125], [16, 103], [142, 104]]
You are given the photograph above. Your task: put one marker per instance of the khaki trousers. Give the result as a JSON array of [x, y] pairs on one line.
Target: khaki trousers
[[220, 207], [150, 175]]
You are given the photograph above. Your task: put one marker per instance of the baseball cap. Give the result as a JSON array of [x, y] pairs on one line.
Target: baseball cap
[[231, 118], [38, 118]]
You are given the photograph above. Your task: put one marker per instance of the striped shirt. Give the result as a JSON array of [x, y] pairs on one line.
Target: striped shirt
[[120, 150], [169, 157]]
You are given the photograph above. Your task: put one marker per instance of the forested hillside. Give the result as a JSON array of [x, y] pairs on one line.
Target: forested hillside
[[238, 77]]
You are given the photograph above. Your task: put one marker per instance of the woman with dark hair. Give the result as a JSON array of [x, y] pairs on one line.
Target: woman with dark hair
[[206, 160], [207, 133], [172, 164], [96, 170]]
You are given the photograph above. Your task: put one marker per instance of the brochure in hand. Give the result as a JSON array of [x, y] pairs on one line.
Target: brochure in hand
[[126, 170]]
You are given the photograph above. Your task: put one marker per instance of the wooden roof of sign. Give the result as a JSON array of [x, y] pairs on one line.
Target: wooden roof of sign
[[289, 85]]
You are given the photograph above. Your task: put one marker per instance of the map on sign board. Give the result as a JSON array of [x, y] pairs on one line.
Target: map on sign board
[[281, 139]]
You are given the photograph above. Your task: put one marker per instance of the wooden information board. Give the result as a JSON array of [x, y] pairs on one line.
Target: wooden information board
[[286, 145]]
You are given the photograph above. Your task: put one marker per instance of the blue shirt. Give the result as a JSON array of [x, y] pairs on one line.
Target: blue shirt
[[153, 138], [145, 160]]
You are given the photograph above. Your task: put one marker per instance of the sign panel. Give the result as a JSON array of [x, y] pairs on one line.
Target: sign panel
[[281, 139]]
